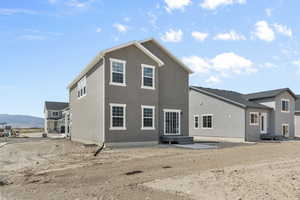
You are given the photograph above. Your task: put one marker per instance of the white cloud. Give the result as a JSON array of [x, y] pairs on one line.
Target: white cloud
[[98, 30], [222, 65], [177, 4], [264, 31], [213, 4], [284, 30], [152, 19], [121, 28], [199, 35], [127, 19], [52, 1], [232, 35], [297, 63], [172, 36], [198, 64], [269, 12], [7, 11], [268, 65], [79, 4], [33, 37], [212, 80]]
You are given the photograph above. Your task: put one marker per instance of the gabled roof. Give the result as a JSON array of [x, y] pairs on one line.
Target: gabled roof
[[298, 104], [51, 105], [168, 53], [268, 94], [102, 54], [229, 96]]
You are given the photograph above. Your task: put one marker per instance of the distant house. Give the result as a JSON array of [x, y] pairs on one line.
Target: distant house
[[136, 92], [297, 117], [57, 117], [235, 116]]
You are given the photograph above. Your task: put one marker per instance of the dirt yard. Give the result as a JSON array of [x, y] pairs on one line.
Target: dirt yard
[[60, 169]]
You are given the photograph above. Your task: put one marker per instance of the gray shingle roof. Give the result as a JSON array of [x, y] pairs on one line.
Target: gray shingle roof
[[51, 105], [298, 103], [231, 96], [267, 94]]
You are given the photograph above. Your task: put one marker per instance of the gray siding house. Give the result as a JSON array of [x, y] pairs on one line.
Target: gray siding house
[[56, 115], [135, 92], [229, 115], [297, 117]]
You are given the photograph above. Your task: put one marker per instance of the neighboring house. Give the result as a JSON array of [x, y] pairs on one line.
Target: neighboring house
[[135, 92], [56, 117], [297, 117], [235, 116]]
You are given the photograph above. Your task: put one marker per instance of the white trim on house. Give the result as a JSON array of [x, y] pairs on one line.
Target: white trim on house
[[111, 72], [103, 101], [179, 121], [288, 104], [153, 78], [169, 54], [124, 116], [100, 55], [257, 119], [212, 121], [153, 117], [288, 129], [195, 121]]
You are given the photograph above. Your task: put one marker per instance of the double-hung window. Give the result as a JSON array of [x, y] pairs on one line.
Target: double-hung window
[[148, 116], [118, 116], [148, 77], [254, 118], [117, 72], [196, 121], [81, 88], [207, 121], [285, 107]]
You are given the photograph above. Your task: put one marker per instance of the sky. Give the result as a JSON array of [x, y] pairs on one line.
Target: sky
[[240, 45]]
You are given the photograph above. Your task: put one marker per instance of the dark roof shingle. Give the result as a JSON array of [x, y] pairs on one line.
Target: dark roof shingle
[[267, 94], [232, 96], [51, 105]]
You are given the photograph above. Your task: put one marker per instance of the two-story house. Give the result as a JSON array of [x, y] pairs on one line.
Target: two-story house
[[56, 117], [230, 115], [297, 117], [135, 92]]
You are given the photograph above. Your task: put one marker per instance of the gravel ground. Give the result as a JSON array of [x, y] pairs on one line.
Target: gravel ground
[[60, 169]]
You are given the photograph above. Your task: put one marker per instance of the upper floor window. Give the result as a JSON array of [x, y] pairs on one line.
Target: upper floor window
[[55, 114], [285, 107], [254, 118], [117, 72], [148, 115], [207, 121], [196, 121], [81, 88], [148, 77]]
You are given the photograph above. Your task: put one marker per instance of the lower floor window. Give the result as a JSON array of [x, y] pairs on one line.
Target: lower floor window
[[118, 112], [196, 121], [253, 118], [285, 130], [148, 113], [207, 121]]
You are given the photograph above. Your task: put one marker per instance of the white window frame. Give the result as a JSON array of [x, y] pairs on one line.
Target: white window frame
[[56, 113], [80, 88], [111, 72], [257, 122], [288, 101], [153, 118], [153, 78], [212, 121], [195, 121], [288, 125], [111, 116]]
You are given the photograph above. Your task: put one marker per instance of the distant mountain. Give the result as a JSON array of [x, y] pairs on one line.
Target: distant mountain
[[22, 121]]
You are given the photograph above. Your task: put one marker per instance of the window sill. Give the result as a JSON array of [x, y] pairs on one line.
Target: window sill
[[118, 129], [254, 124], [148, 88], [147, 129], [207, 128], [285, 111], [118, 84]]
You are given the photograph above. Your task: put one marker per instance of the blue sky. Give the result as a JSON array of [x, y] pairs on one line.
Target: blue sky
[[242, 45]]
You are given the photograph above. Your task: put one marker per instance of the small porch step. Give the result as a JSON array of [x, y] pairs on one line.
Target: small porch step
[[171, 139], [271, 137]]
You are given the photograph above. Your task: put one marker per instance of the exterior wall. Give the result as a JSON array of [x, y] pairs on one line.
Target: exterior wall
[[285, 118], [297, 124], [173, 88], [132, 95], [228, 119], [87, 112], [51, 126], [253, 132]]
